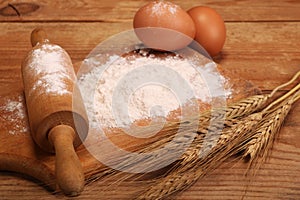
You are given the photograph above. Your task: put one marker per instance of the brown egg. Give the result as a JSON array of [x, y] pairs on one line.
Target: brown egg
[[210, 29], [164, 25]]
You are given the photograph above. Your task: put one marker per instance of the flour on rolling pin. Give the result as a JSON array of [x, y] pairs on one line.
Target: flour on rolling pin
[[48, 62], [13, 115], [147, 101]]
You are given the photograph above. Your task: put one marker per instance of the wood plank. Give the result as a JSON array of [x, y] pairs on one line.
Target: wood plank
[[262, 51], [116, 11], [266, 53]]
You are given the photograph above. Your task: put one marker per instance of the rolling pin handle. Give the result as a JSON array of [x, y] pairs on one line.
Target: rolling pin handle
[[68, 169], [38, 36]]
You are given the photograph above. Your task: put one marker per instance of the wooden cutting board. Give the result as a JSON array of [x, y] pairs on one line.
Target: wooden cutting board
[[19, 153]]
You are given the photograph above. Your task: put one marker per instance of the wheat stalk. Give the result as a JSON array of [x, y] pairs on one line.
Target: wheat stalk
[[265, 134], [270, 125]]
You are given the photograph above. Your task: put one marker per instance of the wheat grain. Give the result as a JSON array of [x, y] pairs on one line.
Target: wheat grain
[[267, 130], [257, 145]]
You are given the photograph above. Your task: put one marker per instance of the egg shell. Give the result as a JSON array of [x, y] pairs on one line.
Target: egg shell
[[164, 25], [210, 29]]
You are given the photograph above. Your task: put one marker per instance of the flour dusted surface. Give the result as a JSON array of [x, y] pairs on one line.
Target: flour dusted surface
[[13, 115], [48, 64]]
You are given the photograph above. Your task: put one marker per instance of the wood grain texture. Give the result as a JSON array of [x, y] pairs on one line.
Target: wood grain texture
[[117, 11], [262, 45], [274, 47], [278, 178]]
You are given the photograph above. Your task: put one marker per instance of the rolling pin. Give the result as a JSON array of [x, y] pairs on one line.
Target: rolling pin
[[56, 113]]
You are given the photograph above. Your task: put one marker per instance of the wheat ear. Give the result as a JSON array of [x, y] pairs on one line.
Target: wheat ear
[[264, 136], [272, 123]]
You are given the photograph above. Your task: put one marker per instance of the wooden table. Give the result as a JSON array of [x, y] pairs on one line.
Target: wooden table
[[263, 45]]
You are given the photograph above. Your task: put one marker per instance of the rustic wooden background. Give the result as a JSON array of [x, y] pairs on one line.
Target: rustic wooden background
[[263, 45]]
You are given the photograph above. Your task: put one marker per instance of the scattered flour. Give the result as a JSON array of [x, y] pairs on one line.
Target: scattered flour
[[160, 8], [125, 89], [13, 116], [48, 64]]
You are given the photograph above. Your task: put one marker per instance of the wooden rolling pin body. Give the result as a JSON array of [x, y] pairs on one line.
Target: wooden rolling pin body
[[57, 118]]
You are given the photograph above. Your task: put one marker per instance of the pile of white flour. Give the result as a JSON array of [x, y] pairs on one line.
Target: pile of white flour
[[125, 89]]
